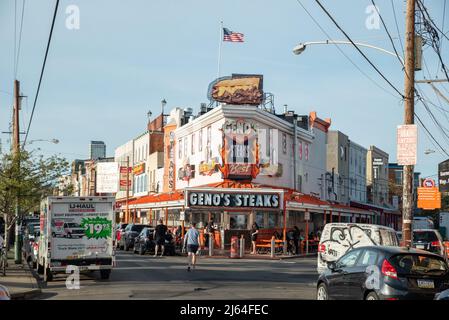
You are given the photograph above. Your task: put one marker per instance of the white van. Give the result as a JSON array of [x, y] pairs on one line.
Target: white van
[[339, 238]]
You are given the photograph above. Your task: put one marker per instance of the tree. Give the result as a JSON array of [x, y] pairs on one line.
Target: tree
[[28, 178]]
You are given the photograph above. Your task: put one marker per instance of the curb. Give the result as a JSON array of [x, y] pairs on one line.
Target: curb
[[26, 295]]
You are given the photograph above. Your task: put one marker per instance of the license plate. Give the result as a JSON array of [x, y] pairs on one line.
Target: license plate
[[426, 284], [420, 246]]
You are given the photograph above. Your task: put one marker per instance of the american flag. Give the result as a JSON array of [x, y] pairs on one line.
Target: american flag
[[228, 35]]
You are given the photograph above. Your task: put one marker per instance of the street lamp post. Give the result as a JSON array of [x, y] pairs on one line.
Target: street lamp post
[[302, 46]]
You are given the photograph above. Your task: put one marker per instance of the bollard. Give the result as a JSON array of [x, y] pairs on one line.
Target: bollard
[[211, 245], [272, 246], [242, 246]]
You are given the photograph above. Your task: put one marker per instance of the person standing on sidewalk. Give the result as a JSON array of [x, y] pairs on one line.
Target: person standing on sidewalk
[[160, 231], [254, 232], [192, 242]]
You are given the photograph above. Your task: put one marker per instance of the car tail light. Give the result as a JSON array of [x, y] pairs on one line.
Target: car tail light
[[392, 299], [435, 244], [322, 248], [388, 270]]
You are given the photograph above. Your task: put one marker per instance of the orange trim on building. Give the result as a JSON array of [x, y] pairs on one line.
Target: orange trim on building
[[168, 196], [318, 123]]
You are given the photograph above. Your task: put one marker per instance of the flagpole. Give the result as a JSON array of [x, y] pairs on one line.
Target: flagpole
[[219, 49]]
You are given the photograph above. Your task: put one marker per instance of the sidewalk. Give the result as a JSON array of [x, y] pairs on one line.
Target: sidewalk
[[222, 254], [19, 280]]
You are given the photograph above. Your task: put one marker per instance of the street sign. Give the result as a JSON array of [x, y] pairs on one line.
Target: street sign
[[378, 162], [428, 183], [443, 176], [182, 216], [407, 140], [123, 175], [429, 198], [307, 215], [107, 177]]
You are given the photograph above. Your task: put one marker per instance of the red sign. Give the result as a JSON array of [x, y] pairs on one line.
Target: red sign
[[428, 183], [123, 175]]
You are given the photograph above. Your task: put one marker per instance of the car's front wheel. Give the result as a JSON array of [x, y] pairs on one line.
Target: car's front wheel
[[322, 293], [372, 296]]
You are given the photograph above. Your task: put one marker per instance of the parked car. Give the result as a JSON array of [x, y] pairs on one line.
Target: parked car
[[4, 293], [170, 245], [384, 273], [444, 295], [399, 234], [35, 251], [429, 240], [119, 232], [144, 242], [338, 238], [131, 232], [31, 232]]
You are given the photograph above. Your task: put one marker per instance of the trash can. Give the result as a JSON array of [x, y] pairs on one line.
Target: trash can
[[234, 247]]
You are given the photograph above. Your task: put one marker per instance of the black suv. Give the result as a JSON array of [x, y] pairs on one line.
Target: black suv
[[429, 240], [131, 232]]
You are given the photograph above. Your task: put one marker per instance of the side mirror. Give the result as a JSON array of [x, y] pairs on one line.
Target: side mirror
[[332, 265]]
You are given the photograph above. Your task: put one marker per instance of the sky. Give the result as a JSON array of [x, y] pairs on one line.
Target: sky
[[102, 79]]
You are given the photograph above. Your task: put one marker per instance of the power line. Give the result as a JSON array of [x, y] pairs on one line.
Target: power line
[[388, 33], [16, 67], [343, 53], [397, 25], [42, 71], [358, 49], [430, 134]]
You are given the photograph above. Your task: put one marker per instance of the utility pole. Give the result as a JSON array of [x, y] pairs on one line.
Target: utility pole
[[409, 112], [16, 161]]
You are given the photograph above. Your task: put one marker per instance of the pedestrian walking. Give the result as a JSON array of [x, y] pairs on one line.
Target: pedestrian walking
[[160, 231], [192, 243], [254, 232]]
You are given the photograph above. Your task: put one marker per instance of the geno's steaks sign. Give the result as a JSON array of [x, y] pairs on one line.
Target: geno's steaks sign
[[233, 199]]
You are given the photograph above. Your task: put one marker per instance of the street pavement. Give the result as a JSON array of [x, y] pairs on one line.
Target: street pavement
[[146, 277]]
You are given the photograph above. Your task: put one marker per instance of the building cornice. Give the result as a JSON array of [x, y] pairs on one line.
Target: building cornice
[[247, 112]]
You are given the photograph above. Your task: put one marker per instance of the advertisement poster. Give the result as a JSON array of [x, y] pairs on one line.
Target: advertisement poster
[[81, 230]]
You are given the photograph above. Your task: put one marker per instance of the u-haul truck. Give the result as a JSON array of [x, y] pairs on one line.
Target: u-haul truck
[[76, 231]]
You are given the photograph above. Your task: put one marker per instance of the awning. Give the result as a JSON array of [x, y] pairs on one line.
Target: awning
[[160, 200], [347, 209]]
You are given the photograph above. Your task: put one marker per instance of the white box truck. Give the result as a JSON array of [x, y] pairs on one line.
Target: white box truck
[[76, 231]]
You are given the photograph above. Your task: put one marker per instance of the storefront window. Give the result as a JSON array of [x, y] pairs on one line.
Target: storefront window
[[238, 221], [260, 219], [272, 220]]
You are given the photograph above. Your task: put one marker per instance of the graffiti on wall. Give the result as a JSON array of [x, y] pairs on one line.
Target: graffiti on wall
[[341, 239]]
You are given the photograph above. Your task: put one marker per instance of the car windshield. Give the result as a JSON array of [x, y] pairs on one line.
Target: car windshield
[[419, 264], [72, 225], [137, 228], [425, 236]]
